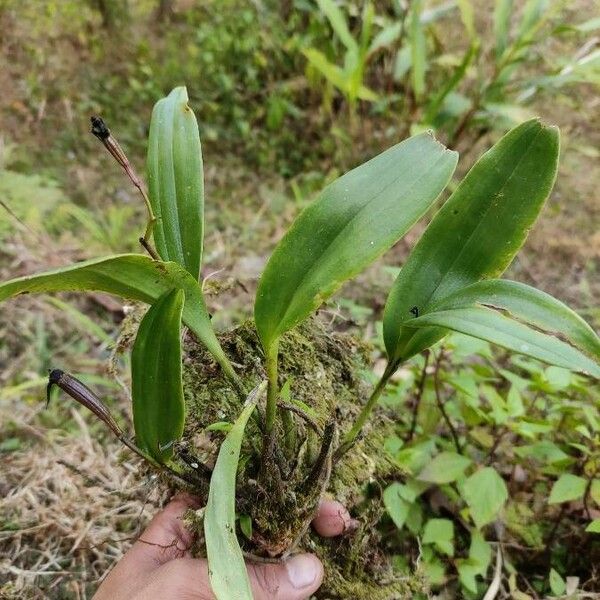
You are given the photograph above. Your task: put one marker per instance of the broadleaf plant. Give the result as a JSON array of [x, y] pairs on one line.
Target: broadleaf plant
[[449, 282]]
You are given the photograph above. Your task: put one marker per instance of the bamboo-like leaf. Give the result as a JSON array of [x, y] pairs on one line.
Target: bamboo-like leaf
[[338, 23], [502, 14], [418, 45], [131, 276], [156, 386], [337, 76], [354, 220], [228, 576], [176, 181], [436, 101], [492, 326], [476, 234], [530, 306]]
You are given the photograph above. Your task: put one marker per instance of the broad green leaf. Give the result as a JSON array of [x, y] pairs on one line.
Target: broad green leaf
[[396, 505], [227, 571], [490, 325], [485, 493], [530, 306], [446, 467], [566, 488], [557, 583], [131, 276], [338, 23], [476, 234], [156, 386], [502, 14], [418, 46], [353, 221], [480, 552], [594, 526], [440, 533], [176, 181]]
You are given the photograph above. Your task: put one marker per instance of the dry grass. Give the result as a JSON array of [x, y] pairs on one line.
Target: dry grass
[[71, 506]]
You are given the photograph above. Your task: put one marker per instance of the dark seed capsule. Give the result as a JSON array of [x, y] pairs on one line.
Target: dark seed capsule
[[80, 392], [99, 128]]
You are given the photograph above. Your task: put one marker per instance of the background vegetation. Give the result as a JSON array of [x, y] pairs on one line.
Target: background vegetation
[[289, 94]]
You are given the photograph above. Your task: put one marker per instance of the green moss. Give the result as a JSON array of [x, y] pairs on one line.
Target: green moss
[[323, 372]]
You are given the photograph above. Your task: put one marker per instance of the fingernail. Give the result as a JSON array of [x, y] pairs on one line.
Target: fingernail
[[302, 570]]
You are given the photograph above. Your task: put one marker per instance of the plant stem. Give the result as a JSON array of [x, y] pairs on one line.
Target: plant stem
[[272, 389], [415, 413], [440, 403], [365, 413]]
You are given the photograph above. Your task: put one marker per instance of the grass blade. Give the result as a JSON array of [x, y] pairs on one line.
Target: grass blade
[[338, 23], [418, 45], [502, 14], [157, 389]]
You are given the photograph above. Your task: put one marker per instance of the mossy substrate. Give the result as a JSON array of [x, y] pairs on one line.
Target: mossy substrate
[[323, 371]]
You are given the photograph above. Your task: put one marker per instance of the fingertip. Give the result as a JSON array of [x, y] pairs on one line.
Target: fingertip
[[296, 579], [305, 572], [333, 519]]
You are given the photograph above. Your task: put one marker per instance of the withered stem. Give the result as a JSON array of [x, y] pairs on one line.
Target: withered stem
[[101, 131]]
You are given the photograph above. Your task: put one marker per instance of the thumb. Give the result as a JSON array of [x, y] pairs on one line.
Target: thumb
[[187, 578], [296, 579]]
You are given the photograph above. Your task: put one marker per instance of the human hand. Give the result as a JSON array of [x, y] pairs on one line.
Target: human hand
[[159, 564]]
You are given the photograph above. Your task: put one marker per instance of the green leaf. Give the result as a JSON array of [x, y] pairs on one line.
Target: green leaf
[[354, 220], [492, 326], [176, 181], [595, 491], [467, 15], [446, 467], [246, 526], [566, 488], [131, 276], [480, 552], [395, 504], [557, 583], [440, 533], [156, 386], [502, 13], [227, 571], [485, 493], [535, 13], [338, 23], [594, 526], [476, 234], [418, 46], [437, 100], [529, 305]]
